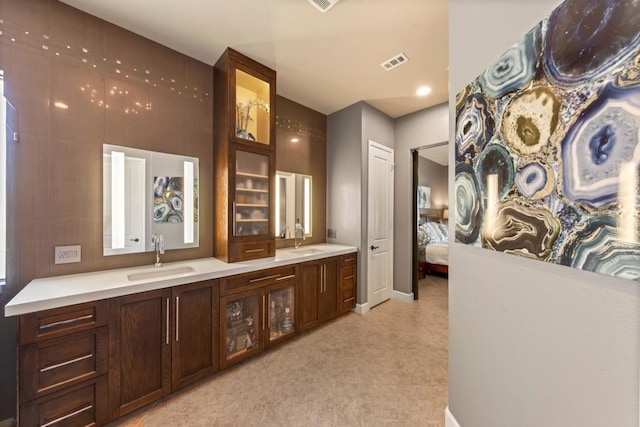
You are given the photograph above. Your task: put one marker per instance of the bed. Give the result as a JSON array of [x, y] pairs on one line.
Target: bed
[[433, 248]]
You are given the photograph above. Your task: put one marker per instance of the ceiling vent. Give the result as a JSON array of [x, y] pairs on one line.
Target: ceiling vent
[[323, 5], [399, 59]]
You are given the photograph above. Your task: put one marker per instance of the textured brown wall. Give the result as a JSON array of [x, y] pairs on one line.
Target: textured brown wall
[[120, 89], [307, 156]]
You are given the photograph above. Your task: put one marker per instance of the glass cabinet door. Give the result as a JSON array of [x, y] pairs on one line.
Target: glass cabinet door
[[253, 108], [251, 206], [281, 317], [242, 325]]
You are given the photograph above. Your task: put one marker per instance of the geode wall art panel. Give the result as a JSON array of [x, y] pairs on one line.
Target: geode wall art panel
[[547, 143]]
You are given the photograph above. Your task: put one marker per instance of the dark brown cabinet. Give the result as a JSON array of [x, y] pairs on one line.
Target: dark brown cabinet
[[348, 281], [318, 292], [161, 341], [63, 365], [244, 140], [257, 312], [140, 350], [195, 332]]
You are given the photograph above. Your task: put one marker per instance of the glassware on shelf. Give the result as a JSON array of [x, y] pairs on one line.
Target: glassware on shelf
[[286, 322]]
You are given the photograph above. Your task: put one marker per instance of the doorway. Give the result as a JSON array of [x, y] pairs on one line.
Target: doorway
[[430, 187]]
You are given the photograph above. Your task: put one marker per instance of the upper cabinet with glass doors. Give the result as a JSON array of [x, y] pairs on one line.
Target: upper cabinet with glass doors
[[244, 142], [249, 91]]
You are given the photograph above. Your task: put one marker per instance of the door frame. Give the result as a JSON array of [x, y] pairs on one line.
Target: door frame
[[367, 242]]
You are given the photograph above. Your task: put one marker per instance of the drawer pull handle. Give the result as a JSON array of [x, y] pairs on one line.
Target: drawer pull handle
[[350, 299], [260, 279], [348, 277], [348, 260], [291, 276], [250, 251], [65, 322], [64, 417], [68, 362]]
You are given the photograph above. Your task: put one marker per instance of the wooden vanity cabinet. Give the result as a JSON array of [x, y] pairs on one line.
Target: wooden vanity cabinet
[[63, 365], [244, 144], [161, 341], [348, 281], [253, 312], [318, 300]]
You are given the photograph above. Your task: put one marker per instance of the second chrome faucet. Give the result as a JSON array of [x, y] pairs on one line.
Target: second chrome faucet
[[157, 240]]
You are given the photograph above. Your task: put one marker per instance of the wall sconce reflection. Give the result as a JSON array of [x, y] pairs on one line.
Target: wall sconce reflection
[[627, 194], [492, 203]]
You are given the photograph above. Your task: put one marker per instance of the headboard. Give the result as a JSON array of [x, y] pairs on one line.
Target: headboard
[[429, 215]]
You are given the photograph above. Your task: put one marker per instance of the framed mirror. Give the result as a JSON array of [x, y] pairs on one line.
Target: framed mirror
[[146, 192], [293, 204]]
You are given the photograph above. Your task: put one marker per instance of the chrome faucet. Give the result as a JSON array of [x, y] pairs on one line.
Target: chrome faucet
[[284, 232], [157, 240], [298, 230]]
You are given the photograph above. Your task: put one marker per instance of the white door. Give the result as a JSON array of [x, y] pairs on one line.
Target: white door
[[380, 224]]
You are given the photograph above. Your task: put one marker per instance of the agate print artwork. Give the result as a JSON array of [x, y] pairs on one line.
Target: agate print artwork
[[547, 143]]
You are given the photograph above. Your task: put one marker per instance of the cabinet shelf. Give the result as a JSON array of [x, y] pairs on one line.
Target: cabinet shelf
[[251, 190], [251, 175], [251, 205]]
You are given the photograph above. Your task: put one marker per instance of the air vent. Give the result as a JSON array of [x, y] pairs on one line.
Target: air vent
[[323, 5], [399, 59]]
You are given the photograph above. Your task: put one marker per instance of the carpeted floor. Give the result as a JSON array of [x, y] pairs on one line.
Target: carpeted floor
[[386, 368]]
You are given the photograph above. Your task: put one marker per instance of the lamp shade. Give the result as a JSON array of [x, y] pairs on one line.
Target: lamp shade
[[445, 213]]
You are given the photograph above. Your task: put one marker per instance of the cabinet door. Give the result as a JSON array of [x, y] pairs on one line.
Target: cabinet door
[[242, 324], [251, 206], [140, 350], [195, 330], [281, 309], [309, 300], [329, 296]]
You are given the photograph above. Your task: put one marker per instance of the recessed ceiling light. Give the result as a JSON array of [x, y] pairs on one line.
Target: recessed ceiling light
[[423, 91]]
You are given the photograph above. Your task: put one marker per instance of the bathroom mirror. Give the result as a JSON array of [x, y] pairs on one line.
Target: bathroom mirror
[[146, 192], [293, 204]]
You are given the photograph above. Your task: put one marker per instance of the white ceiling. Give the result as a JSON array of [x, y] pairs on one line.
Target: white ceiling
[[326, 61], [439, 154]]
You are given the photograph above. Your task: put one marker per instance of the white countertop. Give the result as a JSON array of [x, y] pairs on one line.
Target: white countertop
[[60, 291]]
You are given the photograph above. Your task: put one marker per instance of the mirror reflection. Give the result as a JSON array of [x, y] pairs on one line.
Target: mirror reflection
[[293, 205], [147, 193]]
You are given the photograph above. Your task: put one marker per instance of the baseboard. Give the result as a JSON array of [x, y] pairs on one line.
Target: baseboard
[[402, 296], [362, 308], [449, 419], [9, 422]]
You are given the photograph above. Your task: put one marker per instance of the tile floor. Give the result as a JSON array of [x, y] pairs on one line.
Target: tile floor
[[386, 368]]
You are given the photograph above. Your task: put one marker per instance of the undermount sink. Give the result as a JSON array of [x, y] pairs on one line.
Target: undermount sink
[[159, 273], [308, 251]]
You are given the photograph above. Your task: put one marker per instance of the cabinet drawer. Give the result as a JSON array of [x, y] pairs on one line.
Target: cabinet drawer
[[82, 405], [57, 322], [257, 279], [347, 299], [251, 250], [349, 259], [49, 365], [348, 275]]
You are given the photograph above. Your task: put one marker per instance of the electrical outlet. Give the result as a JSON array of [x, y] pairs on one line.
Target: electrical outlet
[[67, 254]]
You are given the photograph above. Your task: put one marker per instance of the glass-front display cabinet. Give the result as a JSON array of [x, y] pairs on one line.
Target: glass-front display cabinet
[[281, 314], [244, 141], [252, 194], [241, 333]]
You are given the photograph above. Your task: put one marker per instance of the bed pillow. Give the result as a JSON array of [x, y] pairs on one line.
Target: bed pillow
[[445, 231], [423, 236], [434, 235]]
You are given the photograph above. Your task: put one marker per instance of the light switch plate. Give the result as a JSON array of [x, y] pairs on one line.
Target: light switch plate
[[332, 233], [67, 254]]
